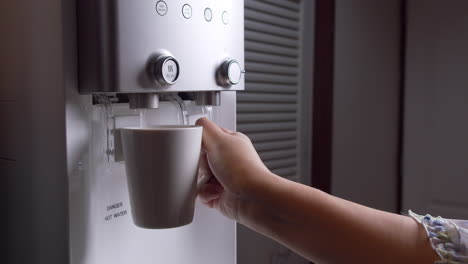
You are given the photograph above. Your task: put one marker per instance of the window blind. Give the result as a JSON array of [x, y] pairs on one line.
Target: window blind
[[268, 109]]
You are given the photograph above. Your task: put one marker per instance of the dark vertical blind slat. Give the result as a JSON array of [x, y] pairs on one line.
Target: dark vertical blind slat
[[268, 109]]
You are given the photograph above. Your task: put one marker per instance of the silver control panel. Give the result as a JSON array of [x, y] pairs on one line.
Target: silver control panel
[[141, 46]]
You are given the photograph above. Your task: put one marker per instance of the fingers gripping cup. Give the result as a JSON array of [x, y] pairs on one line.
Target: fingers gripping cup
[[162, 165]]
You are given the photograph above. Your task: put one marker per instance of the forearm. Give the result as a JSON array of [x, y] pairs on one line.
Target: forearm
[[317, 226]]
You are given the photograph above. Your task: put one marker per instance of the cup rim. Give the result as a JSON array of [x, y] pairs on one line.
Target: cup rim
[[162, 127]]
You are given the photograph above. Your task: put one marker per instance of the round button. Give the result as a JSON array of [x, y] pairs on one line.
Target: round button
[[187, 11], [170, 71], [161, 8], [208, 14], [234, 72], [226, 17], [229, 73], [165, 70]]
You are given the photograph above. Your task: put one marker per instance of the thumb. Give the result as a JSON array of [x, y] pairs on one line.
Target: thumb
[[212, 133]]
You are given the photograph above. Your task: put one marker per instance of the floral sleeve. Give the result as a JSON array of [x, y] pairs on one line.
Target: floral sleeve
[[449, 238]]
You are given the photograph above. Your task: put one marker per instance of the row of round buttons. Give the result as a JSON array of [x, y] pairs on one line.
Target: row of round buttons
[[161, 9], [165, 70]]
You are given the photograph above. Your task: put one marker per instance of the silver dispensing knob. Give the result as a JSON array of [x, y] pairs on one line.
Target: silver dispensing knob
[[165, 70], [229, 73]]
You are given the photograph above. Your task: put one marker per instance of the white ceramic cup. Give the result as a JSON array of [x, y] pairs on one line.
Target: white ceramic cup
[[161, 163]]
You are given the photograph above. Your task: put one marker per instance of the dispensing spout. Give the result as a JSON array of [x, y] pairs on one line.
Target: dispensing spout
[[143, 100], [212, 98]]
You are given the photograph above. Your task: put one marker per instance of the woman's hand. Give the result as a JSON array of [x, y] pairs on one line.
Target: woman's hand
[[231, 158], [316, 225]]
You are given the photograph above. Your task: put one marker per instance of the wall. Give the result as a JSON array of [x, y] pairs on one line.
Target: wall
[[436, 108], [32, 95], [366, 102]]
